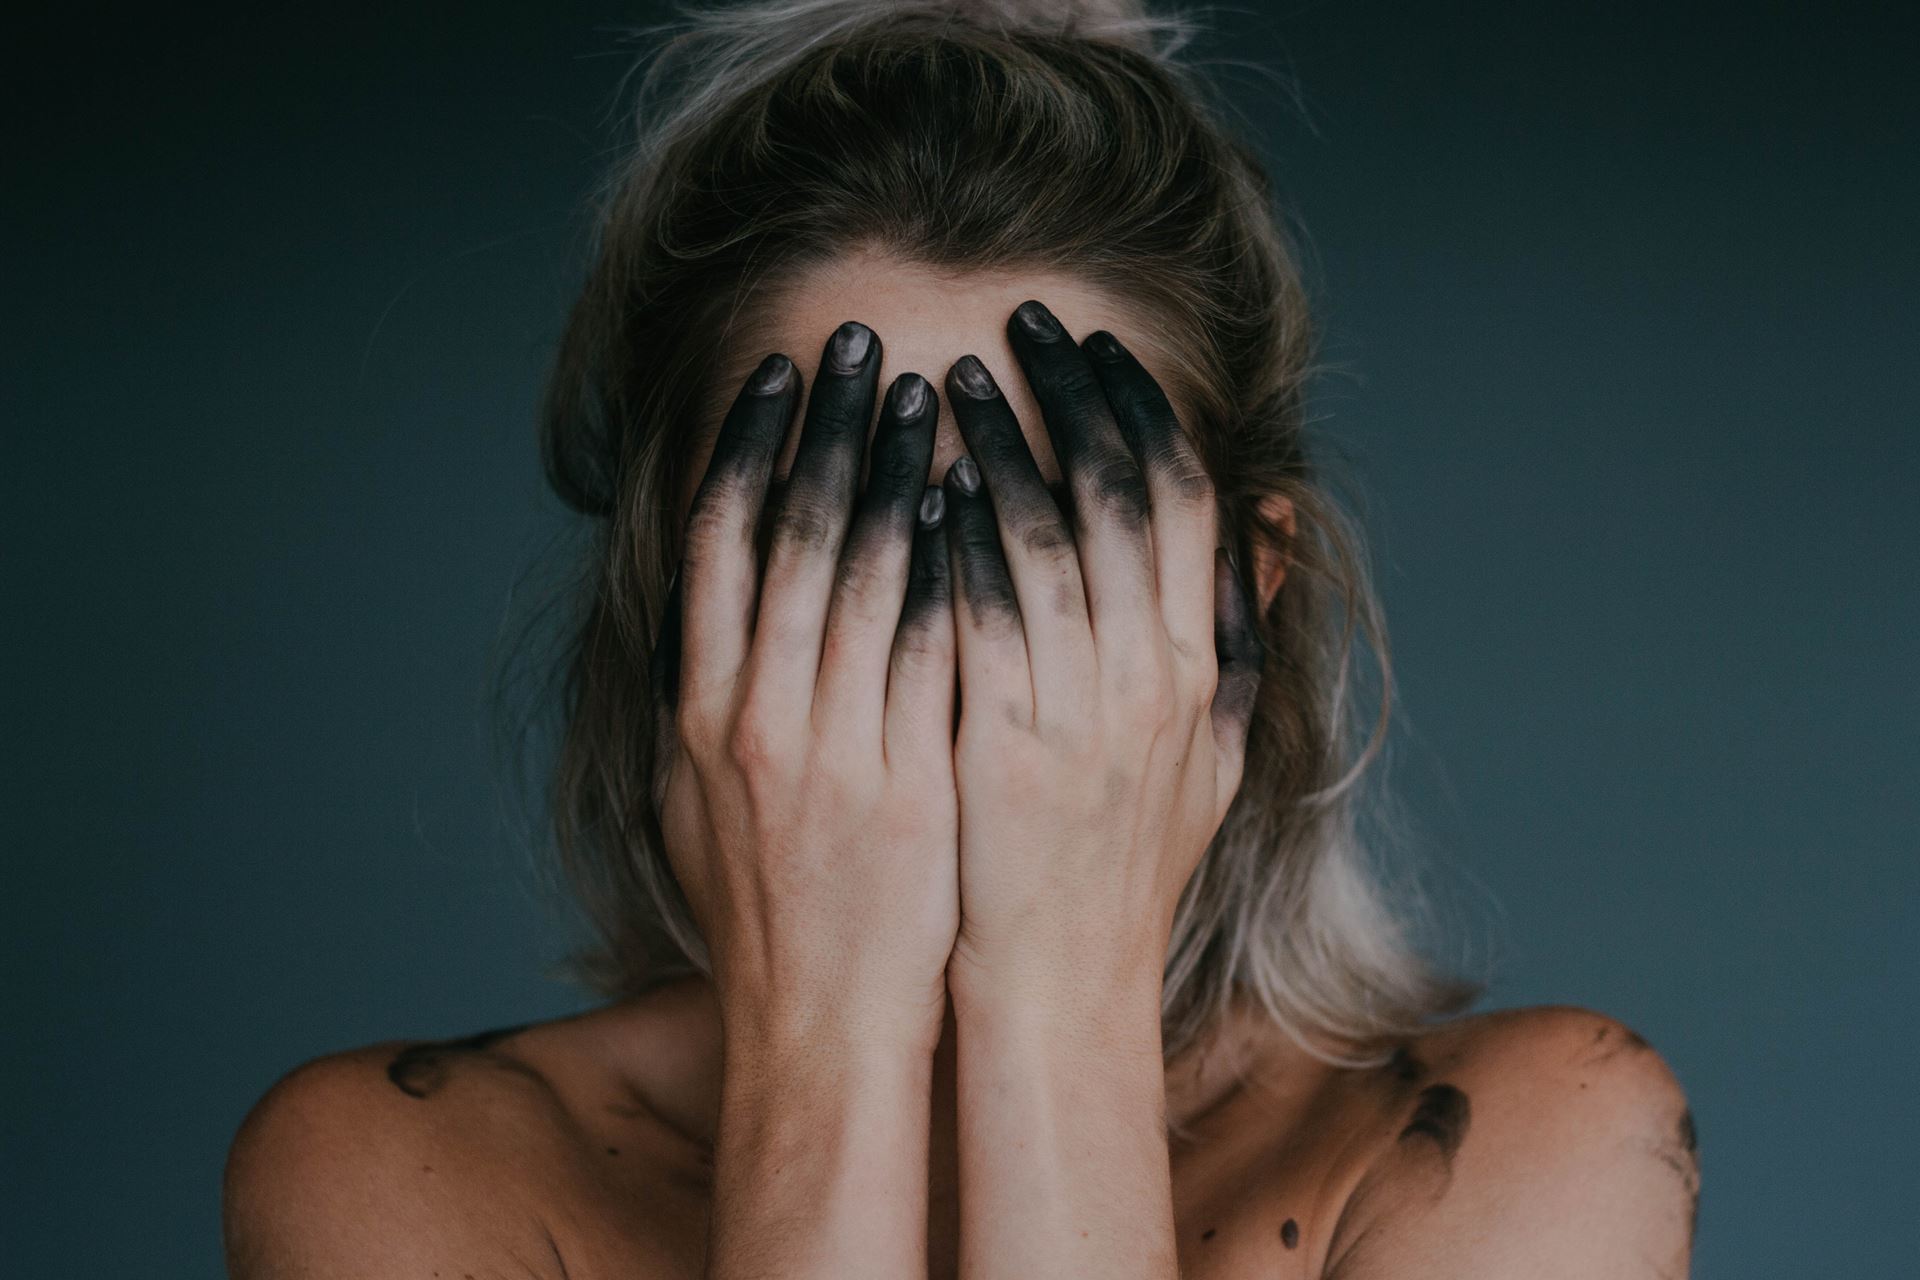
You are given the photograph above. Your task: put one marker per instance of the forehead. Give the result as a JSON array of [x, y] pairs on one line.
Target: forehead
[[925, 320]]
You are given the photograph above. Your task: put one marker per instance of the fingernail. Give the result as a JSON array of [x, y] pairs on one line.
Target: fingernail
[[966, 475], [771, 376], [933, 505], [909, 396], [847, 350], [1105, 345], [973, 377], [1037, 321]]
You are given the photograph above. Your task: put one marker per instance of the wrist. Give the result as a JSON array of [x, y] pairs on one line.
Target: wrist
[[1108, 1012], [780, 1029]]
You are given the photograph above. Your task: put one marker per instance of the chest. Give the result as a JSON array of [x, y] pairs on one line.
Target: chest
[[1243, 1206]]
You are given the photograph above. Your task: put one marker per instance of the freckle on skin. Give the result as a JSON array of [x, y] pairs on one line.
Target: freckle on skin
[[1209, 1233], [1290, 1233]]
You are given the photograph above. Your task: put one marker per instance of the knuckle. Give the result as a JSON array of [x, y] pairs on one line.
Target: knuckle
[[804, 525], [710, 523], [1187, 476], [752, 742], [857, 575], [1046, 536], [897, 471], [1203, 687], [693, 729], [1079, 389], [1115, 485], [1147, 696]]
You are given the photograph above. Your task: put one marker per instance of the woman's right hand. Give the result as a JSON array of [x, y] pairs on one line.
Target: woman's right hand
[[805, 787]]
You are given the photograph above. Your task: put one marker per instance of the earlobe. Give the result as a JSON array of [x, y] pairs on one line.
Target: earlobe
[[1270, 561]]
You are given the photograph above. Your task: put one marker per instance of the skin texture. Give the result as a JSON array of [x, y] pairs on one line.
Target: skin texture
[[936, 773]]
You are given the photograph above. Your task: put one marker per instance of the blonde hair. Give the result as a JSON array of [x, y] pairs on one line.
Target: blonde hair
[[777, 135]]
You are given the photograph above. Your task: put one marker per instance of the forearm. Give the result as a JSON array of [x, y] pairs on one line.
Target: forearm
[[1062, 1137], [820, 1161]]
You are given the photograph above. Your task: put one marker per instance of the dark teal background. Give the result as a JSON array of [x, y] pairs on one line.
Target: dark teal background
[[1625, 301]]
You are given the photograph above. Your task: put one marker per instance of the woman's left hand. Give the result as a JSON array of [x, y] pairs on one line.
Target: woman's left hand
[[1108, 661]]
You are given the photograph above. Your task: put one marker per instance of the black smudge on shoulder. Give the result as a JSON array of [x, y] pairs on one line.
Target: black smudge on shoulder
[[1443, 1115], [1404, 1067], [1687, 1165], [419, 1070], [1605, 1045]]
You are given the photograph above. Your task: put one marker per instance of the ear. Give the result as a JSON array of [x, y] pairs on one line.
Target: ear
[[1270, 561]]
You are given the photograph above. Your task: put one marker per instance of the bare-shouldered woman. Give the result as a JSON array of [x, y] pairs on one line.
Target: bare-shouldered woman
[[961, 765]]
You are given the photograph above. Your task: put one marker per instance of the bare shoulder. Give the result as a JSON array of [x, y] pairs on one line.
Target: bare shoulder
[[522, 1151], [1551, 1140]]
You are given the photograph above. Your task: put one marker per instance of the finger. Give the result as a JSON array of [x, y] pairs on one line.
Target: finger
[[873, 572], [1034, 539], [816, 505], [1179, 491], [1110, 499], [719, 573], [920, 683], [1241, 655], [990, 642], [663, 685]]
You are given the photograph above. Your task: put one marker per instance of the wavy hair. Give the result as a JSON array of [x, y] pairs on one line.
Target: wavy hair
[[996, 134]]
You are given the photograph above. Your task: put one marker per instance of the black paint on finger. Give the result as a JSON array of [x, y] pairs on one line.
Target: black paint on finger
[[998, 447], [901, 453], [982, 579], [744, 450], [1094, 454], [897, 468], [929, 580], [755, 423], [1240, 652], [818, 495], [1145, 414], [663, 665]]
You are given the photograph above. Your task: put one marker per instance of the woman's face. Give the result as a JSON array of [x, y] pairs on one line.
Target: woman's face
[[925, 322]]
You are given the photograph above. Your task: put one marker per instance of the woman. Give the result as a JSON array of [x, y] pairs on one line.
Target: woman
[[973, 857]]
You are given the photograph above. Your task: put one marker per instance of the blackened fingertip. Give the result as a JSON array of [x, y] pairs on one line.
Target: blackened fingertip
[[965, 475], [773, 375], [1104, 345], [847, 349], [909, 396], [933, 506], [1039, 322], [972, 377]]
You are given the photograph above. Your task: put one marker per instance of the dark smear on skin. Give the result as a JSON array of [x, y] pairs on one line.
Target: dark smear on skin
[[1290, 1234], [420, 1070], [1601, 1050], [1404, 1067], [929, 588], [1442, 1114], [1210, 1233], [981, 575], [1687, 1165], [557, 1259]]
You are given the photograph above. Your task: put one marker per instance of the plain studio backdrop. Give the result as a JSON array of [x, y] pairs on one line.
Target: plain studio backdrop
[[1623, 303]]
